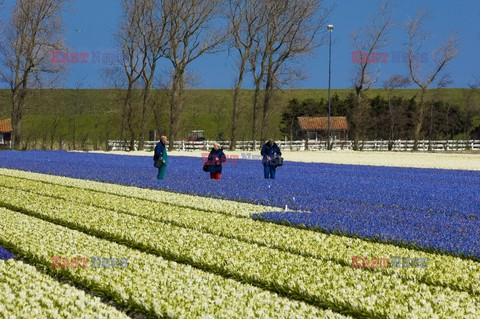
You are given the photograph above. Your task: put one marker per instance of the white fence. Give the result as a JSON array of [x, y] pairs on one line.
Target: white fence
[[398, 145]]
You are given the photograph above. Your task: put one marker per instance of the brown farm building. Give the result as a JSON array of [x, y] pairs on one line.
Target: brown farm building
[[316, 128], [5, 132]]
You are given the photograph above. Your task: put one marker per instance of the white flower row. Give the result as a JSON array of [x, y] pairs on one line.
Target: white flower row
[[442, 270], [159, 287], [27, 293], [322, 282], [195, 202]]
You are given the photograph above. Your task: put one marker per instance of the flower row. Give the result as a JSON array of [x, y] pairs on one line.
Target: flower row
[[157, 287], [27, 293], [441, 271], [127, 192], [324, 283], [445, 232]]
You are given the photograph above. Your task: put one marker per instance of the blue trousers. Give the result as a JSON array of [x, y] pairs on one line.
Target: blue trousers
[[269, 171]]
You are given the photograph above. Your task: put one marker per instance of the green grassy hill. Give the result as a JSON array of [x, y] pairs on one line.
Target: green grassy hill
[[93, 116]]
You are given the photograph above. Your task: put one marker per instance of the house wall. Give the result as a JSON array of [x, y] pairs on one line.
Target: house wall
[[321, 135]]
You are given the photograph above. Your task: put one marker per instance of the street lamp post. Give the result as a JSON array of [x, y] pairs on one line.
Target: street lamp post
[[330, 29]]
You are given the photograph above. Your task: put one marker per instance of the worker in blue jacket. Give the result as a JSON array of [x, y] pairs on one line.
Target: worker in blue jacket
[[160, 157], [270, 151]]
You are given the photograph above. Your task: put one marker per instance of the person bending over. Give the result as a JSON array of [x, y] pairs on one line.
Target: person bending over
[[270, 152]]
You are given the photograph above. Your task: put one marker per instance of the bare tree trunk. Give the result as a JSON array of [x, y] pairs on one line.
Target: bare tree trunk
[[96, 138], [430, 132], [256, 103], [392, 124], [419, 120], [356, 121], [125, 110], [236, 105], [143, 120], [53, 131], [176, 106], [448, 133], [266, 107], [18, 105], [131, 127], [73, 126]]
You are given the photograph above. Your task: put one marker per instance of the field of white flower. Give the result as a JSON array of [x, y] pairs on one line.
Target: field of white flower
[[193, 257]]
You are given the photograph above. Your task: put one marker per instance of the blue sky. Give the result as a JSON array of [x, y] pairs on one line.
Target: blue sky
[[89, 25]]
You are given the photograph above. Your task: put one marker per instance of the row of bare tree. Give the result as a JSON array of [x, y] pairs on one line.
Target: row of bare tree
[[264, 34], [35, 30]]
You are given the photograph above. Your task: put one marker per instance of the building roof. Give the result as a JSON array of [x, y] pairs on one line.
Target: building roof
[[5, 126], [320, 123]]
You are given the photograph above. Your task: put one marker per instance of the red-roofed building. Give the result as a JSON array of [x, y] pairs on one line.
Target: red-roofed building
[[317, 127], [5, 132]]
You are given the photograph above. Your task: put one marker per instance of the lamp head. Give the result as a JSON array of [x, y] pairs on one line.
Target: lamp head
[[330, 27]]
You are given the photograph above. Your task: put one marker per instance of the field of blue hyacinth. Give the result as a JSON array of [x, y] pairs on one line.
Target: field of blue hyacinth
[[308, 244]]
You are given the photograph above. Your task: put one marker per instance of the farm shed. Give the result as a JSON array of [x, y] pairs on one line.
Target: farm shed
[[5, 132], [316, 128]]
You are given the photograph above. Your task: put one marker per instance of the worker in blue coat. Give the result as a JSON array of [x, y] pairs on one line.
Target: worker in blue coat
[[160, 157], [216, 159], [270, 152]]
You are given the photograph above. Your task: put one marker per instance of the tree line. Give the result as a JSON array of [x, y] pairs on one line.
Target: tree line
[[391, 117]]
